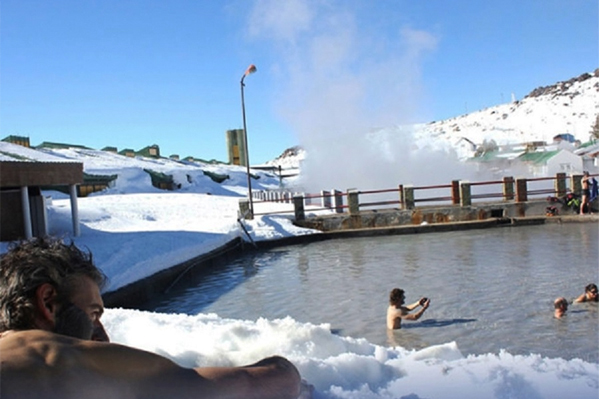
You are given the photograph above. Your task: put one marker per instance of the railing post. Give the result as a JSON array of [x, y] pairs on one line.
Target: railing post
[[245, 211], [576, 183], [508, 188], [465, 193], [560, 184], [353, 206], [338, 201], [455, 192], [401, 195], [409, 197], [325, 199], [299, 208], [521, 190]]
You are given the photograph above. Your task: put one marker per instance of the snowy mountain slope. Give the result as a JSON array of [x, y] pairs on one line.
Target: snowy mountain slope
[[566, 107]]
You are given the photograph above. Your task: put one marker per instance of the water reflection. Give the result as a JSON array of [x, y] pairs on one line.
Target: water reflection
[[411, 264], [303, 266], [358, 259]]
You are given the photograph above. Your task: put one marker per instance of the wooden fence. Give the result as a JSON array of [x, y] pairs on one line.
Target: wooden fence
[[458, 193]]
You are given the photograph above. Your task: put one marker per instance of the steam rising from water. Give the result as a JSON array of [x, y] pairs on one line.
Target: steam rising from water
[[339, 82]]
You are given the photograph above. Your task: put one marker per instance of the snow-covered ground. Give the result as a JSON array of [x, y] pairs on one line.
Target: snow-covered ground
[[134, 230]]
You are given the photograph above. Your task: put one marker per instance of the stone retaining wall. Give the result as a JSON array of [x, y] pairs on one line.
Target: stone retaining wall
[[424, 215]]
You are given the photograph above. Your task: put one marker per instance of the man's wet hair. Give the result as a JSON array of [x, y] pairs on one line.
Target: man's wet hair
[[560, 302], [31, 263], [396, 295]]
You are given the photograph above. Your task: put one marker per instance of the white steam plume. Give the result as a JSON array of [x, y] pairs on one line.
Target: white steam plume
[[348, 92]]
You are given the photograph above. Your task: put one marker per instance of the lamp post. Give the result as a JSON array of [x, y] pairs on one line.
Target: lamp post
[[251, 69]]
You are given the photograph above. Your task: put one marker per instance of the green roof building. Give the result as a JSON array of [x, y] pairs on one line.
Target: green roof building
[[20, 140], [55, 145], [149, 151]]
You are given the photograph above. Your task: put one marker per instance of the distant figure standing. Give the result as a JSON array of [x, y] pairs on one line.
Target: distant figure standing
[[590, 294], [585, 192], [560, 307], [397, 311]]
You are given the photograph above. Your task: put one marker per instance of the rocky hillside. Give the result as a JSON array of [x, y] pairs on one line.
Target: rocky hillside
[[290, 158], [562, 88]]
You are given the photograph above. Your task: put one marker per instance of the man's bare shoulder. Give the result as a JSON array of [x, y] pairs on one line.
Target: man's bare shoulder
[[39, 343], [393, 310], [19, 347], [38, 363]]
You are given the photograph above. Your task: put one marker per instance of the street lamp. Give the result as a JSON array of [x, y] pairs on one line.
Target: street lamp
[[251, 69]]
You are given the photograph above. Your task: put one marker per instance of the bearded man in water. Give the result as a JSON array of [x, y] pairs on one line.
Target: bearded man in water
[[52, 343], [397, 311]]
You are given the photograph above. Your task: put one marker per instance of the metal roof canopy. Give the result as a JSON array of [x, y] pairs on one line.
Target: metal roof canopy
[[27, 173]]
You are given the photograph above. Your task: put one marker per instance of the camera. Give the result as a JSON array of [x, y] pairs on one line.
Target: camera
[[423, 300]]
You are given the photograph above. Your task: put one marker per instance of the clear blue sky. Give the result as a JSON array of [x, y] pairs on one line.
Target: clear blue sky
[[130, 73]]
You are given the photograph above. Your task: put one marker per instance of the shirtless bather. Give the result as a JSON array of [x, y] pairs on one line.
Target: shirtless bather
[[397, 311], [560, 307], [52, 343], [590, 294]]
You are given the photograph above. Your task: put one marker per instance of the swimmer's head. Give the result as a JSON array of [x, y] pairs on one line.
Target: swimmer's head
[[592, 288], [397, 296], [592, 291], [561, 304]]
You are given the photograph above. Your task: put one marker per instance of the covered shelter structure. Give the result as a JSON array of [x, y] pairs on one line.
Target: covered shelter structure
[[22, 205]]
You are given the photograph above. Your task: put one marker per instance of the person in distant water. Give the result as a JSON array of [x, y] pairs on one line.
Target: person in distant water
[[397, 311], [560, 307], [590, 294], [52, 343], [585, 192]]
